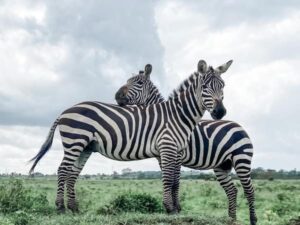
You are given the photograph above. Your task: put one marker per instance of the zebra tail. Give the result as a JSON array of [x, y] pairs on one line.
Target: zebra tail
[[45, 147]]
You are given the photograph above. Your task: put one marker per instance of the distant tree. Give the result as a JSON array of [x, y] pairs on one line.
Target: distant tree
[[115, 175], [141, 175], [86, 176], [126, 171], [38, 174]]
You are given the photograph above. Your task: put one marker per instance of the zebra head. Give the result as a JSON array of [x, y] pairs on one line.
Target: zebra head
[[139, 90], [212, 88]]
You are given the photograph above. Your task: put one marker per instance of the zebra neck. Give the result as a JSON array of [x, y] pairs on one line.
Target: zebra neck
[[188, 111], [155, 97]]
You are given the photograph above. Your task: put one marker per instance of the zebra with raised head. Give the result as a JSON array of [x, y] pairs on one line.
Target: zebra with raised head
[[128, 133], [217, 145]]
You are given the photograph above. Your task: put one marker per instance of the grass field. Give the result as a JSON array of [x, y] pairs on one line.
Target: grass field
[[203, 203]]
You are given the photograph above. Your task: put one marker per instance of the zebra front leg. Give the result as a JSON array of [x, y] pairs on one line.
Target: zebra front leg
[[72, 178], [168, 166], [226, 182], [175, 188]]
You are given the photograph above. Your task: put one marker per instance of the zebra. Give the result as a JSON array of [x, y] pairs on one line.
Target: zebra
[[217, 145], [129, 133]]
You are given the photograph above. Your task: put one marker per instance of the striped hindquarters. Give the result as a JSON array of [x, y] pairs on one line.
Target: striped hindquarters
[[213, 142]]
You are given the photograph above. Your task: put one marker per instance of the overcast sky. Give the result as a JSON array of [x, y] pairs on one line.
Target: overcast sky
[[54, 54]]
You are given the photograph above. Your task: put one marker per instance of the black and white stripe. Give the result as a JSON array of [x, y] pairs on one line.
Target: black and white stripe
[[218, 145], [127, 133]]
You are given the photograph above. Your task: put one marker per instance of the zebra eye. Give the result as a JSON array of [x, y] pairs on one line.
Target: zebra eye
[[140, 82]]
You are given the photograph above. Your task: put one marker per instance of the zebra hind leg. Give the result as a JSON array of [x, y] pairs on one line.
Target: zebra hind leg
[[168, 165], [72, 178], [243, 170], [175, 187], [226, 182], [61, 180]]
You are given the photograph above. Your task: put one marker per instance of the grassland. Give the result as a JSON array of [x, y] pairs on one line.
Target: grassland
[[203, 203]]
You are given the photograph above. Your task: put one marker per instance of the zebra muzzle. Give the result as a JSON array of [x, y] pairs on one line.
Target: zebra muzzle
[[121, 97], [219, 111]]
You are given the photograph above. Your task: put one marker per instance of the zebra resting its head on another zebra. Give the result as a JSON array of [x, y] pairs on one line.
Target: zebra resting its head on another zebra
[[143, 87]]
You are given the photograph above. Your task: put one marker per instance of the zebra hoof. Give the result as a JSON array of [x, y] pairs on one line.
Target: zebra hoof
[[171, 211], [61, 210], [178, 208], [253, 221], [73, 207], [174, 212]]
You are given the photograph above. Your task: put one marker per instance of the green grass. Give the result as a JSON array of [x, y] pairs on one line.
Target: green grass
[[203, 203]]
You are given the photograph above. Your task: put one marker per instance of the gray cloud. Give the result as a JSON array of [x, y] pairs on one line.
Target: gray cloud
[[71, 53]]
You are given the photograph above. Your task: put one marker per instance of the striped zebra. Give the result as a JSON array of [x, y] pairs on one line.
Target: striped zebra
[[129, 133], [218, 145]]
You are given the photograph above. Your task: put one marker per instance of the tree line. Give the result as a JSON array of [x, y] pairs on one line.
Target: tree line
[[257, 173]]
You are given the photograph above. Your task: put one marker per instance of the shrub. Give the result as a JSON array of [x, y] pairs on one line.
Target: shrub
[[5, 221], [15, 197], [131, 202], [21, 218]]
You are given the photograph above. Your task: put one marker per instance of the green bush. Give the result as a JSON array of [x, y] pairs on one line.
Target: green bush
[[21, 218], [131, 202], [5, 221], [15, 197]]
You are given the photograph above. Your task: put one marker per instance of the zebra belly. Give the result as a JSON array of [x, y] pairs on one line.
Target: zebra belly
[[196, 163], [126, 154]]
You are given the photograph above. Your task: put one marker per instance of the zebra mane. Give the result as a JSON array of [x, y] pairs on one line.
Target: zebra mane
[[184, 85], [155, 94], [188, 81]]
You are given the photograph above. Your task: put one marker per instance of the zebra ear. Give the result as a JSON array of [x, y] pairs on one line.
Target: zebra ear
[[223, 68], [148, 70], [202, 66]]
